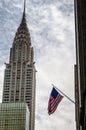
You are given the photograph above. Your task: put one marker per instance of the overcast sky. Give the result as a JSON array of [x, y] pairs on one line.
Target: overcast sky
[[51, 26]]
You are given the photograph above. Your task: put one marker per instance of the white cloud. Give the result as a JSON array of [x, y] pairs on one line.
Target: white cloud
[[51, 25]]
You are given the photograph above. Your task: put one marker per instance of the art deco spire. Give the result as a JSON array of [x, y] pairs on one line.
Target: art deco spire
[[20, 79], [22, 39], [24, 5], [23, 32], [24, 14]]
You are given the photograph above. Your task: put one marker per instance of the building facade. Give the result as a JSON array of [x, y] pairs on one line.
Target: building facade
[[20, 79], [80, 28], [14, 116], [76, 98]]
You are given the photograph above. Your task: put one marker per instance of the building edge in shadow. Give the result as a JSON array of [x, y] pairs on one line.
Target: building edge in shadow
[[80, 32]]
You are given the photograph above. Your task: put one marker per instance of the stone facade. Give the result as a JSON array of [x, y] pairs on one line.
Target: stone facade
[[20, 79]]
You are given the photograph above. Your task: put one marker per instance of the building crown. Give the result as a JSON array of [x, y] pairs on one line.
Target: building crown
[[22, 33]]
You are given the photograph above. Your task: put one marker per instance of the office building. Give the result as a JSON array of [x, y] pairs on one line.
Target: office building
[[14, 116], [20, 79], [80, 30]]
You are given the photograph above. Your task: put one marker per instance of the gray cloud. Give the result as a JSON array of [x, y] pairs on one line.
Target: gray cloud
[[51, 25]]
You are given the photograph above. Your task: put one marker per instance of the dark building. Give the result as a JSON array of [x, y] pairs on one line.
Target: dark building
[[19, 79], [80, 30], [76, 98]]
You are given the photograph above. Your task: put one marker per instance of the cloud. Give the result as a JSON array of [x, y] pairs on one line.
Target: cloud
[[51, 26]]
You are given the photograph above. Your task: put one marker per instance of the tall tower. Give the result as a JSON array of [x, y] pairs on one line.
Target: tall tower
[[80, 22], [20, 79]]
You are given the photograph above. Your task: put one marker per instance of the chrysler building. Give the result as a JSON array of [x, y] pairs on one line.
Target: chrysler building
[[20, 79]]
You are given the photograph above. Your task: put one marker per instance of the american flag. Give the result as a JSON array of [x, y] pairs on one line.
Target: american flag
[[54, 100]]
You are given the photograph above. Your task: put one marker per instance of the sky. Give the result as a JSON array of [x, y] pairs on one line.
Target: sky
[[52, 31]]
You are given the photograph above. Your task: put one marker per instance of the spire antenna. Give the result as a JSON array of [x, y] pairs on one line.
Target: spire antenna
[[24, 5], [24, 13]]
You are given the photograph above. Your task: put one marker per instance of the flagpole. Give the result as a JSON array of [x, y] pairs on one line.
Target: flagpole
[[64, 94]]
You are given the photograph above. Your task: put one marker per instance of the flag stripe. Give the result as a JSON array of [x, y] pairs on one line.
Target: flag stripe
[[55, 103], [53, 108], [54, 100]]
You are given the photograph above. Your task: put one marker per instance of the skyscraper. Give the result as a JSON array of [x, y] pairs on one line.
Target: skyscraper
[[14, 116], [20, 79], [80, 22]]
